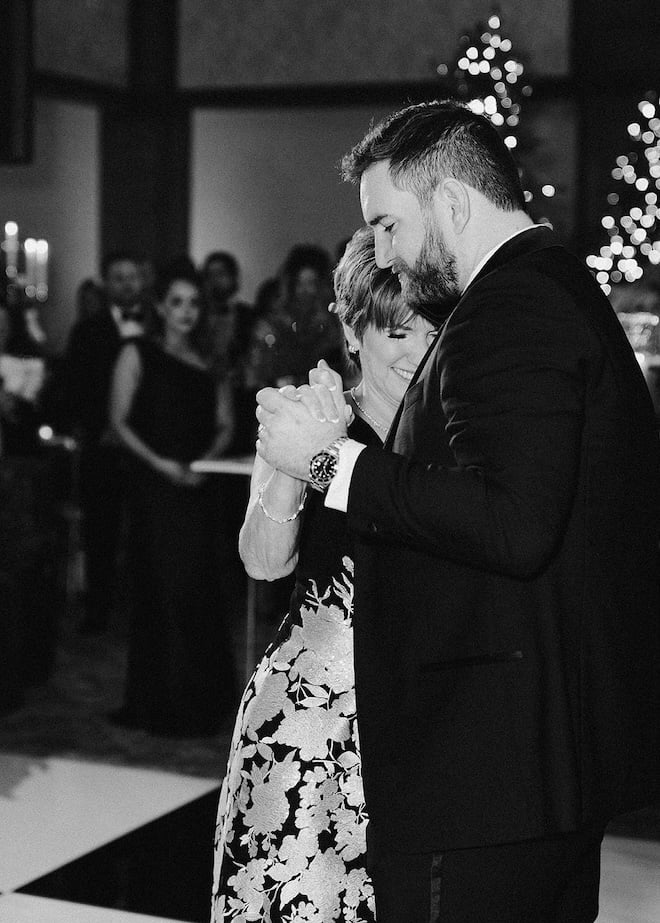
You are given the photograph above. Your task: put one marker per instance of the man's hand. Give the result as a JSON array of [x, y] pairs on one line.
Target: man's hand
[[296, 424]]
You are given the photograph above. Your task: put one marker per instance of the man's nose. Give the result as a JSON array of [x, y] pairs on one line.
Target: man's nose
[[383, 251]]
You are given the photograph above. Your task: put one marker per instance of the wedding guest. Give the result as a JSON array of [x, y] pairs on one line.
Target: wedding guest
[[94, 343], [291, 825], [229, 322], [298, 330], [89, 299], [167, 410]]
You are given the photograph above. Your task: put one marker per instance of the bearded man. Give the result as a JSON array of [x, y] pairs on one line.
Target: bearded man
[[506, 546]]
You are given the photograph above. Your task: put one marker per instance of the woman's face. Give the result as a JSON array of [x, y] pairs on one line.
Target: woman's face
[[308, 284], [390, 357], [181, 307]]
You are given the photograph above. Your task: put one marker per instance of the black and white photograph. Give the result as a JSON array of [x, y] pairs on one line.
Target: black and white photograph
[[329, 461]]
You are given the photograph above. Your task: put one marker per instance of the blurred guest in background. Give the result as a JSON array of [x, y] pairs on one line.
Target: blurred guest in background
[[93, 346], [229, 322], [23, 374], [298, 330], [168, 410], [89, 299]]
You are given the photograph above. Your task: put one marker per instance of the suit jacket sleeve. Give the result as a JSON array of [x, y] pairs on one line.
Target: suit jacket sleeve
[[507, 386]]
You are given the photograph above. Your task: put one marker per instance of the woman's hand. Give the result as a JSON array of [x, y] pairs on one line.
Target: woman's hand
[[328, 387]]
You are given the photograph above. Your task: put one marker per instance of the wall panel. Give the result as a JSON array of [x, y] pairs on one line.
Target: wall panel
[[57, 197], [83, 39], [288, 42]]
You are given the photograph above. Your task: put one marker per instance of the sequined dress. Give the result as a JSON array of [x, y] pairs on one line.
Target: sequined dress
[[290, 840]]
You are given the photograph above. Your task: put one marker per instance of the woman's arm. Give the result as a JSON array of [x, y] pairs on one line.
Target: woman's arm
[[126, 378], [268, 540]]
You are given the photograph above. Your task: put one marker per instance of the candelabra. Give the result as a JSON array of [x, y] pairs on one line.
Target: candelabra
[[25, 276]]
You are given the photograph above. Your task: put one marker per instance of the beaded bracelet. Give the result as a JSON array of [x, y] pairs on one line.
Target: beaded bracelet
[[280, 522]]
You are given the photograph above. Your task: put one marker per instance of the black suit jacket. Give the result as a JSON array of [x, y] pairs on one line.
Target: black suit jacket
[[92, 351], [506, 567]]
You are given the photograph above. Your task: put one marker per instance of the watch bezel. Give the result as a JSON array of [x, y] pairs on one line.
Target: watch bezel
[[323, 465]]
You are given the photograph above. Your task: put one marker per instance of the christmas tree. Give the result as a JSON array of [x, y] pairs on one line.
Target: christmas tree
[[631, 221], [489, 78]]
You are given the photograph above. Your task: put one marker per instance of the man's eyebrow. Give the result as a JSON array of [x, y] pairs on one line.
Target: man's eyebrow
[[377, 219]]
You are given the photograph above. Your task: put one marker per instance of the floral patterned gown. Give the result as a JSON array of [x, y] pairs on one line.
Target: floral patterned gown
[[290, 841]]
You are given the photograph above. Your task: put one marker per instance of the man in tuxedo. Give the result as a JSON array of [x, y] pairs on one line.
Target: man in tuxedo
[[506, 546], [94, 343]]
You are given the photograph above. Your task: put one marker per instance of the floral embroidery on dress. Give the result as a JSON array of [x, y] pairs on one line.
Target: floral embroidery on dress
[[290, 841]]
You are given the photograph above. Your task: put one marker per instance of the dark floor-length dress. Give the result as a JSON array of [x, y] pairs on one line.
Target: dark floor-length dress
[[181, 677], [290, 841]]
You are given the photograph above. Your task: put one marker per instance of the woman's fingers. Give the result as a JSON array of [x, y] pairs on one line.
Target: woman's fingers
[[324, 376], [319, 402]]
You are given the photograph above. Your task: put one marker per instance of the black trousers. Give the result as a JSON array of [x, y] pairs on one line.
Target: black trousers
[[551, 880]]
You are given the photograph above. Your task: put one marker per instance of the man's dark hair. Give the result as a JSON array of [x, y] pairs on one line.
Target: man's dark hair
[[428, 141], [118, 256], [222, 256]]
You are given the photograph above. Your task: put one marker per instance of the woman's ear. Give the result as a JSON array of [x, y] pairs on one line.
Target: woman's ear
[[351, 339]]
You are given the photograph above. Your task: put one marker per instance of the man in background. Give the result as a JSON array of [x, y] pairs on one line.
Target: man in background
[[94, 344]]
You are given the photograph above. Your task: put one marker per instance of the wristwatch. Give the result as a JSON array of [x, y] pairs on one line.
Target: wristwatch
[[323, 465]]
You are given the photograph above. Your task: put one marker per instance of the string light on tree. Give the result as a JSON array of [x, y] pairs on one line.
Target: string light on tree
[[632, 219], [491, 80]]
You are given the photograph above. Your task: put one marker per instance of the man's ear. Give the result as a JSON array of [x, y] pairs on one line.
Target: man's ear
[[453, 199]]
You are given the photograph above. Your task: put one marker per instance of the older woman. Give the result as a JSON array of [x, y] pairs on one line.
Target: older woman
[[291, 828]]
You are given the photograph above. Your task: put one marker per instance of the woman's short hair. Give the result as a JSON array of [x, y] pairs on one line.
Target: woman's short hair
[[427, 142], [365, 294]]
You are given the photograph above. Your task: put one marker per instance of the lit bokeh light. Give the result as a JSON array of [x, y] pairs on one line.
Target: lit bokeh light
[[633, 230], [492, 81]]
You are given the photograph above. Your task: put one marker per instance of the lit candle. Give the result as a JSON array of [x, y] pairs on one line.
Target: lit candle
[[11, 248], [41, 270], [30, 247]]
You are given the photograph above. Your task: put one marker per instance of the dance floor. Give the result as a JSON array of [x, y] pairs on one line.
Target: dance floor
[[86, 842]]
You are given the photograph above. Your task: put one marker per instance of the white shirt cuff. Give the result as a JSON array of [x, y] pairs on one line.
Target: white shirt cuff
[[337, 494]]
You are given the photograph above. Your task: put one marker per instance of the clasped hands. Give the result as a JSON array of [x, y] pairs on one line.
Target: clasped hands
[[296, 423]]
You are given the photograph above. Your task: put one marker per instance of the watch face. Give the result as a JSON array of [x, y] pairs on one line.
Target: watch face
[[322, 469], [323, 465]]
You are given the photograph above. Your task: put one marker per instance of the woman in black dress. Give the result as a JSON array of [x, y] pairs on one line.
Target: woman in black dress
[[167, 411], [290, 841]]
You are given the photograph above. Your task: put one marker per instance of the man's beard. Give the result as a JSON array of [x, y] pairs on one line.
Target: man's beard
[[430, 287]]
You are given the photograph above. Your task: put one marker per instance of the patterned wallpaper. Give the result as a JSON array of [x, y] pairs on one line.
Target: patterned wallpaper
[[229, 43], [84, 39]]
